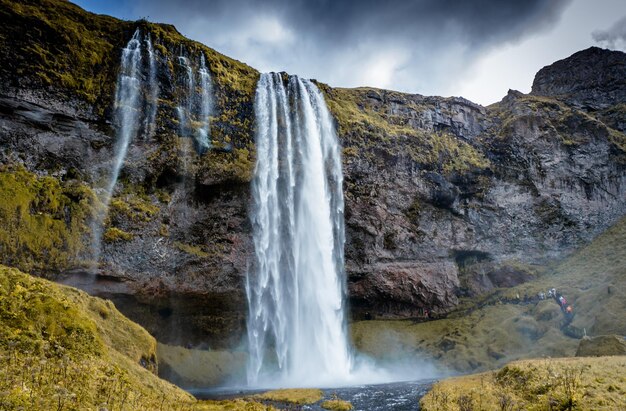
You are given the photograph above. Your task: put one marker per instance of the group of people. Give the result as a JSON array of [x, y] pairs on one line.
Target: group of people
[[567, 309]]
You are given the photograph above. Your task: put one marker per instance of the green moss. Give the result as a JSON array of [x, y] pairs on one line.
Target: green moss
[[61, 349], [368, 130], [43, 222], [114, 234], [132, 208], [61, 45], [237, 166], [53, 336], [191, 249]]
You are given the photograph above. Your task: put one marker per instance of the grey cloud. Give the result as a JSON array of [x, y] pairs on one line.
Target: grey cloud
[[394, 44], [614, 37]]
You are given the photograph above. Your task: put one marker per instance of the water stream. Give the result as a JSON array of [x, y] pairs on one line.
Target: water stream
[[296, 326], [126, 117], [206, 105]]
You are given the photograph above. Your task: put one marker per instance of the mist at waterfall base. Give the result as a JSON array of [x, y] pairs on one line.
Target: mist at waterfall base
[[297, 330]]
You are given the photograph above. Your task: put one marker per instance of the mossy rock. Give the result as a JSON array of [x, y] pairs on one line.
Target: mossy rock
[[601, 345], [43, 221]]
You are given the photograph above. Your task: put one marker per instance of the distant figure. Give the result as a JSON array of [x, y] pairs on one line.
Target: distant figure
[[542, 295], [569, 309]]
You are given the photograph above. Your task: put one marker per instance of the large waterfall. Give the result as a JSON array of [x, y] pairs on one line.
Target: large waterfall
[[296, 326]]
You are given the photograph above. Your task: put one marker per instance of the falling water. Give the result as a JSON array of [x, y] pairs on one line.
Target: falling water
[[127, 107], [206, 91], [186, 107], [296, 326], [153, 90]]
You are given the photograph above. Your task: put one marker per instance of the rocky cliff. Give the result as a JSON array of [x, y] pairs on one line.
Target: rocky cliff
[[444, 198]]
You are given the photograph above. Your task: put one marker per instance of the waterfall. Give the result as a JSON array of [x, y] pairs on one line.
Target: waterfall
[[206, 105], [126, 118], [185, 109], [153, 90], [295, 288], [127, 105]]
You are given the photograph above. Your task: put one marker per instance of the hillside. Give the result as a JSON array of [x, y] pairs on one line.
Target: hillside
[[61, 349], [561, 383], [489, 331], [60, 346]]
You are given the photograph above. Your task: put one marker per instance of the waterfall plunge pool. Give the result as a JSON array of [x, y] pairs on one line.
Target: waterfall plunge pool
[[396, 396]]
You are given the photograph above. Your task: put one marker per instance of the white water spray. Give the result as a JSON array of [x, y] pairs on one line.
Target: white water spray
[[127, 108], [206, 105], [186, 107], [153, 90], [296, 327]]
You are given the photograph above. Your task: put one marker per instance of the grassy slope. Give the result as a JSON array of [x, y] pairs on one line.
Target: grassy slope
[[552, 384], [593, 280], [62, 349]]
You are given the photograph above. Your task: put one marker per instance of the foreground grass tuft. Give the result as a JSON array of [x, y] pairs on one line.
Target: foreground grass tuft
[[336, 405], [298, 396], [540, 384]]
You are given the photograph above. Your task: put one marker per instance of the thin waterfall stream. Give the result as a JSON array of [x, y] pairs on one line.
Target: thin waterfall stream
[[127, 112]]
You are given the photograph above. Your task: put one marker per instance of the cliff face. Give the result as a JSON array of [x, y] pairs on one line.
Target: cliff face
[[464, 198], [444, 197]]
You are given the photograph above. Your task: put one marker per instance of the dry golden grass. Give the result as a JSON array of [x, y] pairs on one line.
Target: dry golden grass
[[540, 384], [336, 405], [299, 396], [61, 349]]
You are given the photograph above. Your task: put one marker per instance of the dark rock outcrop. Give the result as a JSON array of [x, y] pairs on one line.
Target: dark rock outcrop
[[591, 79]]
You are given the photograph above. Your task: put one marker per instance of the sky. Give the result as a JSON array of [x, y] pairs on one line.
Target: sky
[[475, 49]]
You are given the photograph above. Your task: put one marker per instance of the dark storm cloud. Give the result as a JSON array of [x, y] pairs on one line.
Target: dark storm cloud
[[380, 43], [614, 37]]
